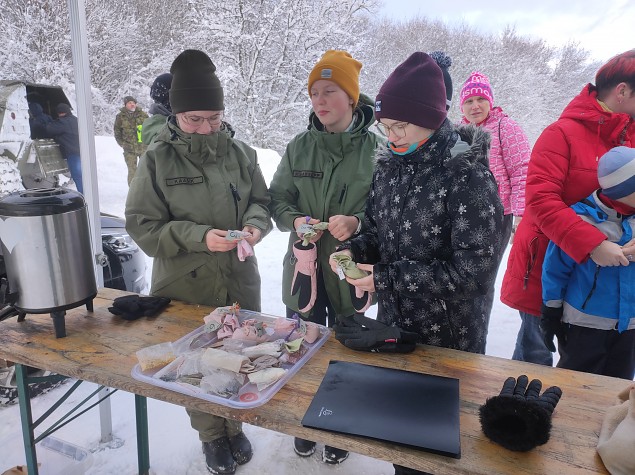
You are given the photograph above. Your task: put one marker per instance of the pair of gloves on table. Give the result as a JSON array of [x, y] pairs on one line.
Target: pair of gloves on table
[[361, 333], [132, 307]]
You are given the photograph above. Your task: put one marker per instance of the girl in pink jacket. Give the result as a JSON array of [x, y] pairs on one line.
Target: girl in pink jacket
[[508, 156]]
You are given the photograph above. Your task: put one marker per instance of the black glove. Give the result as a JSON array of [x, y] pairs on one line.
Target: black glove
[[551, 325], [131, 307], [366, 334], [520, 418]]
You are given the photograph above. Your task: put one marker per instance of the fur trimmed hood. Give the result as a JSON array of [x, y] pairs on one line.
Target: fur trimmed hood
[[457, 146]]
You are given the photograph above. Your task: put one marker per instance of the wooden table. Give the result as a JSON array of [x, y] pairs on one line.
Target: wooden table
[[101, 348]]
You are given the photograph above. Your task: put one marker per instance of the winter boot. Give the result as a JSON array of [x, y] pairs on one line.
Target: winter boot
[[332, 455], [241, 448], [218, 457], [303, 447], [304, 281]]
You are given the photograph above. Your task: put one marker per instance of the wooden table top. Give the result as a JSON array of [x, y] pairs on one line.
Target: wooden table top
[[100, 348]]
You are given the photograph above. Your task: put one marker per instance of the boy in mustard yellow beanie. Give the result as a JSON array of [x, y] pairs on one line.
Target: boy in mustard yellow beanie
[[322, 183]]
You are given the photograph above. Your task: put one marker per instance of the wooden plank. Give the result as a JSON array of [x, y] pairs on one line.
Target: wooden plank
[[100, 347]]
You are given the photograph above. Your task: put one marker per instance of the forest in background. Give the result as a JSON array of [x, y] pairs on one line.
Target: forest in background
[[265, 49]]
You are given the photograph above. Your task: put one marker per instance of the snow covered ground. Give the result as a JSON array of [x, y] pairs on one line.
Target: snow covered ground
[[174, 446]]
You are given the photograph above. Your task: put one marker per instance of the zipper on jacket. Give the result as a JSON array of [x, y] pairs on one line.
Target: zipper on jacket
[[342, 194], [531, 262], [595, 281], [236, 196]]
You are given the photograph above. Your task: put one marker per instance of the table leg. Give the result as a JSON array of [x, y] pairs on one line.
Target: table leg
[[143, 450], [26, 418]]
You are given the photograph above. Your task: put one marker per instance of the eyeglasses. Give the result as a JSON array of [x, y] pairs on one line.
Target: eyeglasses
[[197, 121], [398, 129]]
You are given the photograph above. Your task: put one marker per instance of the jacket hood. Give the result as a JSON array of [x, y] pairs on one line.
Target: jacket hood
[[36, 109], [156, 108], [458, 147], [584, 108], [362, 110]]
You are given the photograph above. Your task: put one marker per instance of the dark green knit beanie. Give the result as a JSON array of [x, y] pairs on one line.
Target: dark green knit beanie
[[195, 86]]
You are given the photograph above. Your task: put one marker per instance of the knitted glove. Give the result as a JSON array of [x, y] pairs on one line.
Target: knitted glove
[[132, 307], [519, 418], [304, 282], [366, 334], [551, 325]]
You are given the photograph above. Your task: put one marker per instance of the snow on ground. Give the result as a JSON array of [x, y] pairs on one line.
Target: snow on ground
[[174, 446]]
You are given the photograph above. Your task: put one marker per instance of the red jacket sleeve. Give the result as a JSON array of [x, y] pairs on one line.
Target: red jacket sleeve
[[557, 177]]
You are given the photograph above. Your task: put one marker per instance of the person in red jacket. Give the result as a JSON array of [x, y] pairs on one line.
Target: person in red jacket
[[562, 171]]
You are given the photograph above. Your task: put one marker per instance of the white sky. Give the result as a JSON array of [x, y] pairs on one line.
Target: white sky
[[602, 28]]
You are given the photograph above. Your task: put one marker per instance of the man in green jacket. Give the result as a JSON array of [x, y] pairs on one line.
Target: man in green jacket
[[160, 109], [194, 184], [128, 124]]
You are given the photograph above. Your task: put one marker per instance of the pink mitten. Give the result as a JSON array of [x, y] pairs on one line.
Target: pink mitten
[[304, 278], [244, 250]]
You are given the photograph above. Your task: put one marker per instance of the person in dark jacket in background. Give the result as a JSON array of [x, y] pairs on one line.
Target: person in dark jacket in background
[[160, 109], [433, 217], [64, 130], [38, 121]]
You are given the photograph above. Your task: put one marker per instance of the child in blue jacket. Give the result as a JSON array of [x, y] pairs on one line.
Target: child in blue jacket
[[591, 309]]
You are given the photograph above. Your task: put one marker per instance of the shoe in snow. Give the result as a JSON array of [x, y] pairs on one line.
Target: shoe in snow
[[333, 455], [303, 447], [218, 457], [240, 448]]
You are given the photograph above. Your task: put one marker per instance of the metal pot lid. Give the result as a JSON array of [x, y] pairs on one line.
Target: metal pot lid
[[41, 202]]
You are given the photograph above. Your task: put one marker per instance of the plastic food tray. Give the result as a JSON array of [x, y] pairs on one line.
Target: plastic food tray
[[248, 396]]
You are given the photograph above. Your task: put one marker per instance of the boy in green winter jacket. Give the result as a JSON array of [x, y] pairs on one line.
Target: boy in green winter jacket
[[324, 177]]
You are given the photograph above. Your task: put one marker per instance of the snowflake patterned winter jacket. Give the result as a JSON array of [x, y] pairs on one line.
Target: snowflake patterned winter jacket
[[562, 171], [432, 229], [508, 159]]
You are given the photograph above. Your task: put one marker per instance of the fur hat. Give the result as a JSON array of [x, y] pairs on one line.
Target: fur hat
[[127, 99], [63, 108], [160, 90], [414, 92], [341, 68], [477, 85], [616, 172], [195, 85]]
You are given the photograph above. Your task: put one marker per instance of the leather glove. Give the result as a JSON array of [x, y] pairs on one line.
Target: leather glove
[[519, 418], [132, 307], [366, 334], [551, 325]]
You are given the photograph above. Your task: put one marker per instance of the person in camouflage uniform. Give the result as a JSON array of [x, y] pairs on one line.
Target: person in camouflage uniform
[[128, 125]]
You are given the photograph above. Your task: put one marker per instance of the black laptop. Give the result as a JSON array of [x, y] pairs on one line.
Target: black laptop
[[413, 409]]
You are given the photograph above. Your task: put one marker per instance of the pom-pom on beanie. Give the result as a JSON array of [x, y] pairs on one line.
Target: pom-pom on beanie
[[195, 86], [160, 89], [414, 93], [616, 172], [341, 68], [477, 85], [444, 62]]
